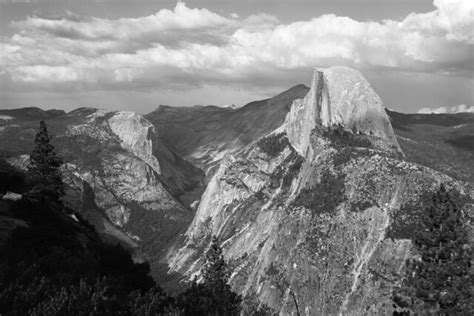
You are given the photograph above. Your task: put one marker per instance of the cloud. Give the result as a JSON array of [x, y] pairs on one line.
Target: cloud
[[181, 17], [190, 47]]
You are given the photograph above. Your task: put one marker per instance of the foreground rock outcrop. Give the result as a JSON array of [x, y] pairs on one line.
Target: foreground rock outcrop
[[319, 212]]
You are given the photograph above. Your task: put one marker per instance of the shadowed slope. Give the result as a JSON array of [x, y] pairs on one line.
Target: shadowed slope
[[204, 134], [444, 142]]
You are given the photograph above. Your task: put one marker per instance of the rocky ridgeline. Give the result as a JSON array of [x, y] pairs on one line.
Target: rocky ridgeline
[[124, 174], [308, 192], [114, 175], [319, 212]]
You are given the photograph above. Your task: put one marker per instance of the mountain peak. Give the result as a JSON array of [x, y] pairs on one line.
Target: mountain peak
[[340, 96]]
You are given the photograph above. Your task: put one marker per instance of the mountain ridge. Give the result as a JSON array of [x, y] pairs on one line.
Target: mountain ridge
[[461, 108], [203, 135], [308, 191], [316, 211]]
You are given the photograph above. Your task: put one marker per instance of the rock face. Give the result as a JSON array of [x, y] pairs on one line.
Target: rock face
[[117, 173], [203, 135], [135, 133], [308, 192], [340, 96], [319, 211]]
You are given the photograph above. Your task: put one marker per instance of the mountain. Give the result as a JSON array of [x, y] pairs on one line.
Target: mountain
[[443, 142], [203, 135], [461, 108], [31, 113], [319, 212], [313, 194], [119, 175], [340, 97]]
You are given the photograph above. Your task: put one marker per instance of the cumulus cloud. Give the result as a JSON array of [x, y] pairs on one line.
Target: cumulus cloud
[[76, 27], [195, 46]]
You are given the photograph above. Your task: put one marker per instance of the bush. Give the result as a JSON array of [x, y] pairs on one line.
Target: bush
[[274, 144]]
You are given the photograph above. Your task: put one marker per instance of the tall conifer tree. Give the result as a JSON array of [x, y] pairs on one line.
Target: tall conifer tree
[[213, 296], [215, 279], [44, 167]]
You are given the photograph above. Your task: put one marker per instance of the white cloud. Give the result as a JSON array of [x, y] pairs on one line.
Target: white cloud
[[181, 18], [194, 46]]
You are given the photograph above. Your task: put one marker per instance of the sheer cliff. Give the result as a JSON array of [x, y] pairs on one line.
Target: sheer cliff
[[319, 211], [203, 135], [309, 192], [118, 173]]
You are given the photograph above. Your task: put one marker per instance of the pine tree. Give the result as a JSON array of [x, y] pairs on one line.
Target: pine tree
[[440, 280], [213, 296], [215, 278], [216, 272], [44, 168]]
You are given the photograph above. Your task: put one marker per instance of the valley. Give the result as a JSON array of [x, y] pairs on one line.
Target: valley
[[313, 194]]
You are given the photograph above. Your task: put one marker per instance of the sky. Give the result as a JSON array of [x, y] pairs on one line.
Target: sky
[[137, 54]]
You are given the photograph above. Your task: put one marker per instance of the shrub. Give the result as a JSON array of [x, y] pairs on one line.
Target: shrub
[[274, 144]]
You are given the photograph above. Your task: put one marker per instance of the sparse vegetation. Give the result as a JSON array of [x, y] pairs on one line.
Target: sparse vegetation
[[340, 137], [273, 144], [346, 154], [324, 196], [151, 227], [360, 206], [293, 169], [251, 306], [213, 296], [440, 141]]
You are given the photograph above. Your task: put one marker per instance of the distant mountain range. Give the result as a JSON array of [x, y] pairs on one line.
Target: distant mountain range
[[461, 108], [313, 194]]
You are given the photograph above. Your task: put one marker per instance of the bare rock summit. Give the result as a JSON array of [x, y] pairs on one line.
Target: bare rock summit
[[340, 97]]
